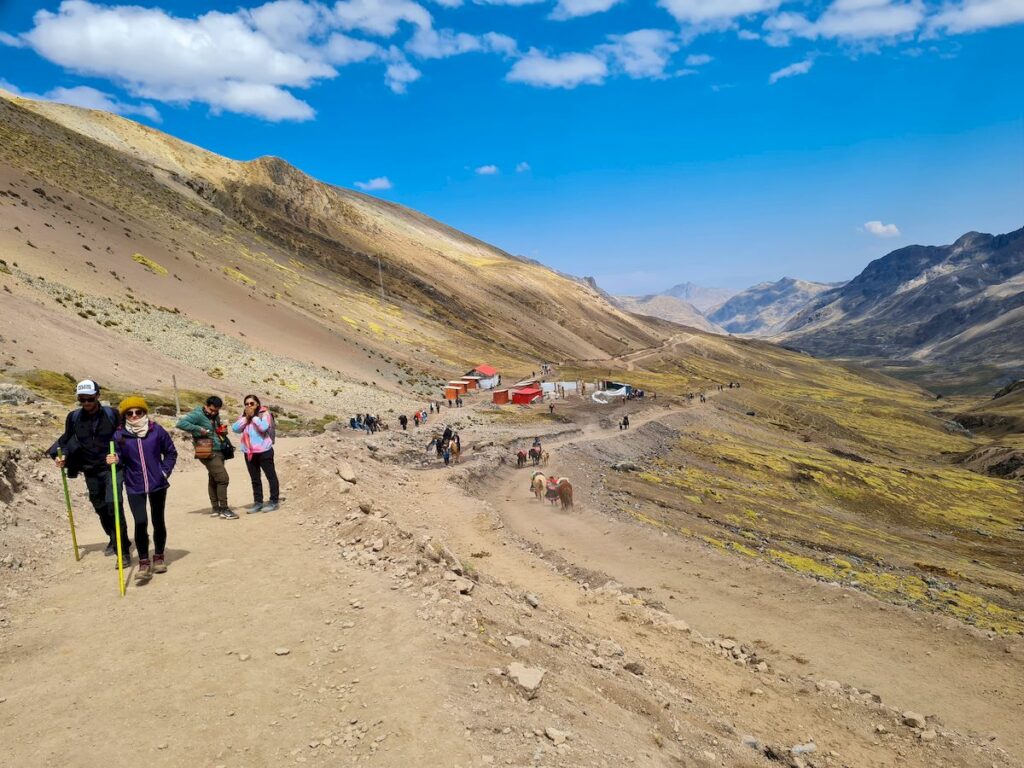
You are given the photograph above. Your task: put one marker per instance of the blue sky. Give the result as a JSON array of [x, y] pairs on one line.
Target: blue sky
[[645, 142]]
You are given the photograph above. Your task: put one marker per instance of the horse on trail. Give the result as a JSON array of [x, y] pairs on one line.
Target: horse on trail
[[521, 459], [535, 455], [565, 493], [537, 483], [544, 458], [455, 450]]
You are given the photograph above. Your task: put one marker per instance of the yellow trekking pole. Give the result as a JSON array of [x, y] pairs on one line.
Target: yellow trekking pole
[[67, 503], [117, 520]]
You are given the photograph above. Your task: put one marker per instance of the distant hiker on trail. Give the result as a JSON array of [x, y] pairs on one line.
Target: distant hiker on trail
[[404, 421], [416, 418], [551, 409], [625, 421], [431, 407], [256, 426], [85, 445], [210, 439], [146, 455]]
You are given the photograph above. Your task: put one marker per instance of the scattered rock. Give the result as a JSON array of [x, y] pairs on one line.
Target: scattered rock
[[282, 651], [346, 473], [913, 719], [803, 749], [928, 734], [557, 737], [366, 507], [626, 466], [526, 679], [752, 743], [244, 657], [517, 642], [533, 600]]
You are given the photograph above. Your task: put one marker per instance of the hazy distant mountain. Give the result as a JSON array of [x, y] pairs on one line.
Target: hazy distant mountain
[[667, 308], [704, 299], [958, 308], [764, 309]]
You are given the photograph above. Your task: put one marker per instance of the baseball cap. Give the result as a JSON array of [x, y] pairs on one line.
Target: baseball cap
[[87, 387]]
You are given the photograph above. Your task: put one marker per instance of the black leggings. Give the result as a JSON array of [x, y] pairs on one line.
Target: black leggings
[[264, 461], [137, 502]]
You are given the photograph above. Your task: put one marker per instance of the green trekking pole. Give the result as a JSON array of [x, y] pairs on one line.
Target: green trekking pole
[[67, 503], [117, 520]]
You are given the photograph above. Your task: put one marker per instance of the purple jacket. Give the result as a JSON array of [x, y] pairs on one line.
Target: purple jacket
[[146, 462]]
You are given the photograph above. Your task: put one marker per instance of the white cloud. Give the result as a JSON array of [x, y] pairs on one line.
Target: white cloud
[[522, 167], [851, 20], [399, 72], [508, 2], [878, 229], [642, 53], [89, 98], [974, 15], [376, 184], [380, 17], [342, 49], [799, 68], [698, 59], [430, 43], [746, 34], [715, 13], [487, 170], [572, 9], [10, 40], [251, 61], [567, 70]]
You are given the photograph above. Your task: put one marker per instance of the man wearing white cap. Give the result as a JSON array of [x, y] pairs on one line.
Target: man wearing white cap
[[85, 445]]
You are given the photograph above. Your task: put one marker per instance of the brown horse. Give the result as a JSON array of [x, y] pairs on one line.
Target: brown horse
[[535, 456], [565, 493], [455, 450], [537, 483], [521, 459]]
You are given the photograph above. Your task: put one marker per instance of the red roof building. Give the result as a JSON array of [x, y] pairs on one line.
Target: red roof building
[[526, 395]]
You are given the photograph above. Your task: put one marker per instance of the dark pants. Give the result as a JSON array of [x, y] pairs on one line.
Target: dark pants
[[217, 485], [101, 495], [137, 502], [264, 461]]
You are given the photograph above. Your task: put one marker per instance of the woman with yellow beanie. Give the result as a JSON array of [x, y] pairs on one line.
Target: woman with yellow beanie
[[147, 455]]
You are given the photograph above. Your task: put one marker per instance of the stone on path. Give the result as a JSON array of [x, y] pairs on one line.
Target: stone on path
[[282, 651], [526, 679], [346, 473]]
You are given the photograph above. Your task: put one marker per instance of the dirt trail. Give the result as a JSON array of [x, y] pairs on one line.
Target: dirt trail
[[158, 677], [914, 660]]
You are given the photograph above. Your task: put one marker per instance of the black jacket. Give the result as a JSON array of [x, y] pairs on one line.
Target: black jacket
[[86, 440]]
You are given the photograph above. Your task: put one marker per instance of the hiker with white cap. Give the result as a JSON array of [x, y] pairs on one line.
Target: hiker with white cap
[[83, 450]]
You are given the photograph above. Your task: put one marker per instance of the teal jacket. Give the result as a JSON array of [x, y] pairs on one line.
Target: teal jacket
[[196, 420]]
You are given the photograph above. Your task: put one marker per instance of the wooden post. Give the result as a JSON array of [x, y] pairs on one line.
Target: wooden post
[[177, 405]]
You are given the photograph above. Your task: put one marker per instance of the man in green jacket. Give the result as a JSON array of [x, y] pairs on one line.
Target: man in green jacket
[[203, 423]]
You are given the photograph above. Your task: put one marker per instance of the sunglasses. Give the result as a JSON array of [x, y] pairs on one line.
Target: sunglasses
[[84, 400], [135, 412], [250, 402]]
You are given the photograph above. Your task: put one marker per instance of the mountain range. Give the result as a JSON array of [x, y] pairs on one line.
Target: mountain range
[[765, 308]]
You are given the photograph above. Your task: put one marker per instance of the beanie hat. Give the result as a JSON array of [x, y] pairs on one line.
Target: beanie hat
[[87, 387], [132, 402]]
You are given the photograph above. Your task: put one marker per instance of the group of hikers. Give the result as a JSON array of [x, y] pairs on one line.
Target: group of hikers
[[97, 438], [368, 423]]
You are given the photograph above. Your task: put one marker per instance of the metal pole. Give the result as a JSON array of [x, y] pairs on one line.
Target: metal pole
[[177, 405]]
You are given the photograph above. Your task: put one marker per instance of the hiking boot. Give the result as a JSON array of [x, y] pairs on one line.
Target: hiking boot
[[271, 507], [159, 566], [215, 512], [111, 550], [145, 572], [227, 514], [257, 507]]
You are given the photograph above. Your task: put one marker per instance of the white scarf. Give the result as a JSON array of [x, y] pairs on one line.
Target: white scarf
[[138, 427]]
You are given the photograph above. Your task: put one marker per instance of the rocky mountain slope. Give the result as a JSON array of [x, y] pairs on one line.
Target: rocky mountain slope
[[668, 308], [111, 227], [706, 300], [766, 307], [945, 314]]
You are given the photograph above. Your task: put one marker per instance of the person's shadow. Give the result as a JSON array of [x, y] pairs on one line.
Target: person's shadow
[[171, 556]]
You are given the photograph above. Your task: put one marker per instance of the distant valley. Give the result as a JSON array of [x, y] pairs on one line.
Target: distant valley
[[949, 317]]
